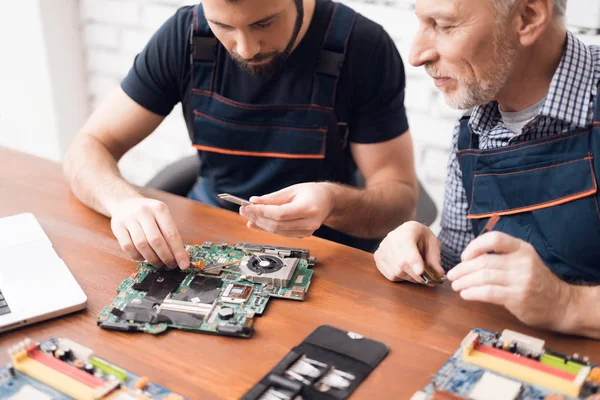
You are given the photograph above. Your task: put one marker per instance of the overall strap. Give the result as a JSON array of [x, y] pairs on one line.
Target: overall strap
[[597, 105], [333, 52], [203, 51], [464, 135]]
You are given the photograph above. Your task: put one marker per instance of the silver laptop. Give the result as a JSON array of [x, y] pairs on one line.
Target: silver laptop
[[35, 284]]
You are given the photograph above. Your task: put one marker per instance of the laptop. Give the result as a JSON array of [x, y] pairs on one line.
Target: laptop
[[35, 284]]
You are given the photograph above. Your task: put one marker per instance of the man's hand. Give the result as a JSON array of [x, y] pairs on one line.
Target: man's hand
[[400, 255], [296, 211], [514, 277], [146, 231]]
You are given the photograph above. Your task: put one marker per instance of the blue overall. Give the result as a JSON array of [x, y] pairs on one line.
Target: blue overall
[[545, 191], [255, 149]]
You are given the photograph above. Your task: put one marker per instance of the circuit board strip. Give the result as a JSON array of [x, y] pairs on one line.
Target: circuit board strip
[[526, 362], [52, 377]]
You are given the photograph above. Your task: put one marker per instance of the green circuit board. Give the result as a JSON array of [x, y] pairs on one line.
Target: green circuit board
[[223, 292]]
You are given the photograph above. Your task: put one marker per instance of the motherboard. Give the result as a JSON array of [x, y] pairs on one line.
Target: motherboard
[[222, 293], [512, 366], [61, 369]]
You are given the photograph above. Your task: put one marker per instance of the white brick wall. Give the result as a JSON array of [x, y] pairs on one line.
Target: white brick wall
[[116, 30]]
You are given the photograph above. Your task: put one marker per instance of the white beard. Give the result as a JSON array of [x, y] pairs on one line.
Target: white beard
[[469, 92]]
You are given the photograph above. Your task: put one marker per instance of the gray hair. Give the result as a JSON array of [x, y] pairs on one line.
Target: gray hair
[[504, 6]]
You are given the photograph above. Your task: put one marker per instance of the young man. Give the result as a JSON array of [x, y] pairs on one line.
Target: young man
[[288, 97], [526, 153]]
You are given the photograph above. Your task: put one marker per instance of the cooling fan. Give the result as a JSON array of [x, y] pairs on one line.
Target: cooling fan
[[265, 264], [268, 269]]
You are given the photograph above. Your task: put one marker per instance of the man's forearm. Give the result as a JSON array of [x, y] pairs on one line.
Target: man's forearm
[[94, 176], [582, 315], [374, 211]]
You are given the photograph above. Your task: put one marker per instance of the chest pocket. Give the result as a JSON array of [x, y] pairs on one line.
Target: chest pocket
[[551, 204], [224, 126]]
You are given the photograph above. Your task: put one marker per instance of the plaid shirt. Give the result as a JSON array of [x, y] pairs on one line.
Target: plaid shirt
[[569, 104]]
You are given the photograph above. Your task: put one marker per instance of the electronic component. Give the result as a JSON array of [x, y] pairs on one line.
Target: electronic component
[[35, 372], [511, 366], [142, 383], [431, 275], [236, 293], [494, 387], [226, 313], [234, 199], [528, 345], [594, 376], [230, 286], [283, 252], [268, 269]]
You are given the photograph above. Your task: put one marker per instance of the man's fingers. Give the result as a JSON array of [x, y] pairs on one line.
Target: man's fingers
[[488, 294], [157, 241], [141, 243], [409, 260], [285, 212], [484, 261], [385, 268], [125, 242], [173, 239], [280, 197], [482, 277], [303, 224], [497, 242]]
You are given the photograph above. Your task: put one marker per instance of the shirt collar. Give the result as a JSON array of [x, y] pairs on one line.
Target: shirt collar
[[569, 95]]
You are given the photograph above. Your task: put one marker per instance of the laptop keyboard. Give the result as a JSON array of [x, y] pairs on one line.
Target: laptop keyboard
[[3, 305]]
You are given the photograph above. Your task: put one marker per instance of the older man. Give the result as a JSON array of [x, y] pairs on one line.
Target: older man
[[526, 153]]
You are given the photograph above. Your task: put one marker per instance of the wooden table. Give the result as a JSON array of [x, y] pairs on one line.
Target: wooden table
[[422, 326]]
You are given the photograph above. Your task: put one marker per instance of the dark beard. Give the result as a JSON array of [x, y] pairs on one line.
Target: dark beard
[[278, 58]]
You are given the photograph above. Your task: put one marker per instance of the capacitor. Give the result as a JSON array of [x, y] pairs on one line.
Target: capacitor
[[52, 348], [79, 363], [142, 383], [68, 353], [89, 368], [226, 313], [60, 354]]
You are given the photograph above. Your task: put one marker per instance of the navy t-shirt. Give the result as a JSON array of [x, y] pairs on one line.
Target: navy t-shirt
[[370, 92]]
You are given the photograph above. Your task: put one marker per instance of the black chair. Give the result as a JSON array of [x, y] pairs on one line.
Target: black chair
[[179, 177]]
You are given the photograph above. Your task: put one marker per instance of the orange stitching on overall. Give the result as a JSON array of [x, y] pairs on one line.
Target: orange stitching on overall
[[540, 206], [528, 145], [258, 154], [535, 169], [260, 107], [594, 177], [201, 114]]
